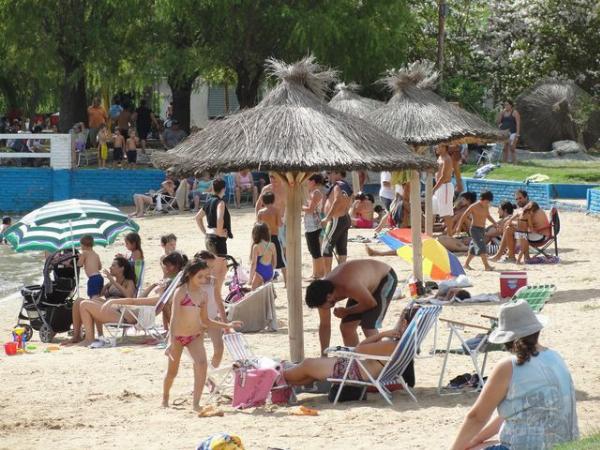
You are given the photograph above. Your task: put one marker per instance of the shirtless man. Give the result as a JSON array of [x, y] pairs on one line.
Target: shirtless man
[[278, 188], [479, 213], [367, 284], [443, 191], [270, 215], [336, 223]]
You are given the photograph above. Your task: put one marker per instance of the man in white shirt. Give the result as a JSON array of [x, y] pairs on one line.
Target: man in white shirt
[[386, 191]]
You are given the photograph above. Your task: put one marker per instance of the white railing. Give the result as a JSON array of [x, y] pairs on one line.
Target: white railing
[[60, 148]]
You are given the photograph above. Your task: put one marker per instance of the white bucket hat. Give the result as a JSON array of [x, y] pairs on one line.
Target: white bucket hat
[[516, 320]]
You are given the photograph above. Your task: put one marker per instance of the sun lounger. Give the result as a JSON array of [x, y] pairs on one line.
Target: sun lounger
[[405, 352]]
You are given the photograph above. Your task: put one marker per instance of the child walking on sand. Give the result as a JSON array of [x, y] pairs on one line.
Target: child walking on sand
[[479, 213], [263, 256], [189, 320], [131, 144], [118, 146], [90, 261], [103, 139]]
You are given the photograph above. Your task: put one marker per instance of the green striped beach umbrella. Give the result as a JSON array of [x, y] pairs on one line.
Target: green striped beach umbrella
[[60, 225]]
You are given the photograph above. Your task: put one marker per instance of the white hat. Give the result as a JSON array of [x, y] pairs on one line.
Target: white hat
[[516, 320]]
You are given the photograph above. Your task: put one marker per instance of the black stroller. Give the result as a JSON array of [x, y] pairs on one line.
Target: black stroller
[[48, 308]]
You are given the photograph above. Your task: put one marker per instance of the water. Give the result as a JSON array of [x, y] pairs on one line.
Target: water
[[18, 270]]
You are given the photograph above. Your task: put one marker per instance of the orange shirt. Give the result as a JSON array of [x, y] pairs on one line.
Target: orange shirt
[[96, 116]]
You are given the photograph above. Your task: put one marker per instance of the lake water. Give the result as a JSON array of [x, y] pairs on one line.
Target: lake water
[[18, 270]]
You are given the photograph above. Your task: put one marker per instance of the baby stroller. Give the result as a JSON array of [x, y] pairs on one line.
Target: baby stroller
[[47, 307], [237, 291]]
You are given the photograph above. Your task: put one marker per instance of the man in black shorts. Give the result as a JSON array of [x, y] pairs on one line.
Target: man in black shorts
[[367, 284], [336, 223]]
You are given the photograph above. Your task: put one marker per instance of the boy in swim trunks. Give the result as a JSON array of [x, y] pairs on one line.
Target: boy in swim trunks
[[479, 213], [103, 139], [90, 261], [118, 146], [367, 284], [131, 145]]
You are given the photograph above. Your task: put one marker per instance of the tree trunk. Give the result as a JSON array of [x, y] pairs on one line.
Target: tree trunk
[[182, 92], [73, 101], [247, 85]]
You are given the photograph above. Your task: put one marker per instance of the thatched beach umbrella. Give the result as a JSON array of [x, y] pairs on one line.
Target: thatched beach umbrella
[[293, 132], [418, 116], [348, 101], [547, 110]]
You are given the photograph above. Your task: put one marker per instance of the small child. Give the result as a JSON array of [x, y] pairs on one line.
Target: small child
[[90, 261], [169, 244], [189, 321], [133, 243], [6, 223], [131, 144], [271, 216], [263, 256], [479, 213], [103, 139], [118, 144]]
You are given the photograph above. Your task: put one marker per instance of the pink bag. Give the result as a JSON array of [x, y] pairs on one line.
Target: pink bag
[[252, 387]]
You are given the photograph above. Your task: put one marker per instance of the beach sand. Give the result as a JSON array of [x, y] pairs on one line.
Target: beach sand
[[78, 398]]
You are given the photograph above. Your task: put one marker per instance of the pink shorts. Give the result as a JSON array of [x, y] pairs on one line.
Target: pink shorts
[[363, 223]]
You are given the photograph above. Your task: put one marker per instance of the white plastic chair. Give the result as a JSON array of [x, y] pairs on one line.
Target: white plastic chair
[[145, 321]]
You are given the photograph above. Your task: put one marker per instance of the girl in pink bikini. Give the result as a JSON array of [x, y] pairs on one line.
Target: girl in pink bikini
[[189, 321]]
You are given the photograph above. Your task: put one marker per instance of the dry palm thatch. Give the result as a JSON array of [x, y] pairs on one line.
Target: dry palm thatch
[[292, 129], [418, 116], [547, 110], [349, 102]]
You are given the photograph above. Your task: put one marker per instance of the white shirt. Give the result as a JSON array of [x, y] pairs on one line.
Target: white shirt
[[385, 191]]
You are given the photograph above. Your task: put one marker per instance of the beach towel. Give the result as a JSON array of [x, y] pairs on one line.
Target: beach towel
[[256, 310], [252, 386], [484, 170], [221, 441], [543, 260]]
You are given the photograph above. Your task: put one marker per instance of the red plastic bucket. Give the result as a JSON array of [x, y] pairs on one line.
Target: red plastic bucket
[[10, 348]]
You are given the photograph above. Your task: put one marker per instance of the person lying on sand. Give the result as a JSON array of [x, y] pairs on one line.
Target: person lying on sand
[[383, 344]]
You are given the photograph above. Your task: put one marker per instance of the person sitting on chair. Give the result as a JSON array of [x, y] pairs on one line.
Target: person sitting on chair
[[167, 191], [244, 183], [383, 344]]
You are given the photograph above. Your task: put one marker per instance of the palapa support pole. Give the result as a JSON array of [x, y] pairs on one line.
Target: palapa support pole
[[415, 224], [294, 268], [355, 181], [429, 203]]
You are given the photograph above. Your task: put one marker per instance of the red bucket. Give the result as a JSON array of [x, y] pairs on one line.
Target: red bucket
[[10, 348]]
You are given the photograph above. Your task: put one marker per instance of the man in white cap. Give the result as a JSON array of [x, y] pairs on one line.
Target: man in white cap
[[532, 391]]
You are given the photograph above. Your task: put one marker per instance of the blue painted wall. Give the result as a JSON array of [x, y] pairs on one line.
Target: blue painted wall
[[24, 189], [593, 201], [574, 191], [505, 190]]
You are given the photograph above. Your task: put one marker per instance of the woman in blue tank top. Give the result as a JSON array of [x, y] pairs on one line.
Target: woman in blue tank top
[[531, 390]]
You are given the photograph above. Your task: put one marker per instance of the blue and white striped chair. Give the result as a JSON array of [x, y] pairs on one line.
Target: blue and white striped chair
[[406, 350]]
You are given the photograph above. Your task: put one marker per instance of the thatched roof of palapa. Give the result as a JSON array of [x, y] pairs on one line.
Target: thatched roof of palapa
[[418, 116], [348, 101], [292, 129], [547, 110]]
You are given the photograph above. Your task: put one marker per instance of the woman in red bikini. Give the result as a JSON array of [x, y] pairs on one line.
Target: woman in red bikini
[[189, 321]]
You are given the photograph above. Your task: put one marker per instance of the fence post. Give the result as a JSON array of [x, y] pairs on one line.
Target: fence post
[[60, 162]]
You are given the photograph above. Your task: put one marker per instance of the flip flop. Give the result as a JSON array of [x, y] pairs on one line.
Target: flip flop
[[460, 381]]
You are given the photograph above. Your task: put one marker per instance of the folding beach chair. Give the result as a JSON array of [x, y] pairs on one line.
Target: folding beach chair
[[145, 321], [230, 190], [405, 351], [536, 296], [456, 329], [490, 154], [164, 203], [541, 247]]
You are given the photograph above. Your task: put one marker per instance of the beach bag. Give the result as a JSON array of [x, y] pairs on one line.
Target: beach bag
[[281, 392], [252, 386], [349, 393]]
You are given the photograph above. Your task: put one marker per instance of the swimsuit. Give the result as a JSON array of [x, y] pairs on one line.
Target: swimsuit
[[186, 340], [264, 270], [94, 285], [104, 151], [247, 181], [373, 318], [281, 263], [442, 200], [336, 236], [118, 154], [477, 246], [361, 222]]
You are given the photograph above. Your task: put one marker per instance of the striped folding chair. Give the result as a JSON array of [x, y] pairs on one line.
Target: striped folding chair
[[405, 351]]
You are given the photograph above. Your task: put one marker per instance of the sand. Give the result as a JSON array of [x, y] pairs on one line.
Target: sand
[[77, 398]]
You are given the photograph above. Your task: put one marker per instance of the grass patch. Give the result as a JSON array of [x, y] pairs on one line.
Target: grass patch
[[588, 443], [575, 172]]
